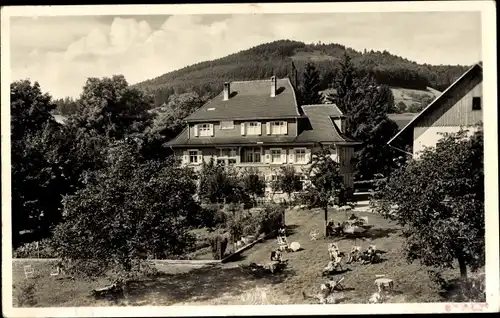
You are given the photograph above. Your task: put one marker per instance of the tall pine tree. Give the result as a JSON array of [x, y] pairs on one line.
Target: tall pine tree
[[311, 87], [365, 105]]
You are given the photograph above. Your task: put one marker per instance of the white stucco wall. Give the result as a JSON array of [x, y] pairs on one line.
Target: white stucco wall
[[431, 136]]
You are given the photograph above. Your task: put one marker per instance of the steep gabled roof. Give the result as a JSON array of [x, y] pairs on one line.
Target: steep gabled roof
[[436, 101], [251, 100]]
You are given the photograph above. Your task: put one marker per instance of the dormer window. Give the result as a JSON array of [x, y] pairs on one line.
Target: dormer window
[[253, 128], [203, 130], [279, 128], [476, 103]]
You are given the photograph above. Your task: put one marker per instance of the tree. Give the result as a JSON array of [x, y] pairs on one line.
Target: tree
[[219, 184], [366, 104], [169, 119], [387, 98], [128, 212], [438, 199], [310, 90], [401, 107], [112, 108], [253, 183], [287, 181], [345, 84], [326, 183], [36, 176]]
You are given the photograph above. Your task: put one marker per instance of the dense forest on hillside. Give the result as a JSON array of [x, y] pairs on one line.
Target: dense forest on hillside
[[276, 58]]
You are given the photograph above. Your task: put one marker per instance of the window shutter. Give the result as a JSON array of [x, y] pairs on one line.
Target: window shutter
[[267, 156], [285, 127], [196, 130], [260, 128], [283, 155], [185, 157], [291, 156], [200, 157], [268, 128], [308, 155], [212, 130], [242, 129]]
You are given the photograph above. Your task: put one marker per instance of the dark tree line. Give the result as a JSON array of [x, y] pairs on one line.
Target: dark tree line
[[275, 58]]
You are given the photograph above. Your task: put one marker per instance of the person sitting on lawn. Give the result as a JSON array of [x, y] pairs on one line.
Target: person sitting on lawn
[[276, 256], [353, 255]]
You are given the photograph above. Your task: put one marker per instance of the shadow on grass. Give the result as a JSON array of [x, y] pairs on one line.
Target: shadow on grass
[[345, 270], [372, 234], [291, 229], [237, 257], [202, 284], [455, 290]]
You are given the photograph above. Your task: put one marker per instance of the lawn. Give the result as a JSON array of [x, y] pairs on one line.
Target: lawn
[[228, 284]]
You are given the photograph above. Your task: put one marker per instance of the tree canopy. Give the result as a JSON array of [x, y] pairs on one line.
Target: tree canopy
[[438, 199], [127, 211], [310, 89]]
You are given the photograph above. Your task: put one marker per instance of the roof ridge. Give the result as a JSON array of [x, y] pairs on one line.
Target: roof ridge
[[436, 100], [294, 95], [259, 80]]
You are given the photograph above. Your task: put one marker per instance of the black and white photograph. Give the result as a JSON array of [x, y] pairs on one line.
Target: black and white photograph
[[184, 159]]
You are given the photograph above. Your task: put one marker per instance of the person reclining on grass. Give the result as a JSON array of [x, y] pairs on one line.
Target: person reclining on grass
[[353, 255]]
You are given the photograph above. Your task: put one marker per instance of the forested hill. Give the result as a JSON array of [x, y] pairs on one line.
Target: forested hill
[[275, 58]]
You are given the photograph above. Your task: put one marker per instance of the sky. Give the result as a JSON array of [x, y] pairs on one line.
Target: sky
[[62, 52]]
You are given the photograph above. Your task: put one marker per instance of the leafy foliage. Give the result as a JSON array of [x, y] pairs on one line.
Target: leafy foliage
[[311, 86], [112, 108], [366, 105], [220, 184], [252, 183], [287, 181], [37, 181], [326, 183], [439, 200], [127, 212]]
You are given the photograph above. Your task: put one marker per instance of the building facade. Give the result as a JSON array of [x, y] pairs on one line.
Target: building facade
[[259, 124], [458, 107]]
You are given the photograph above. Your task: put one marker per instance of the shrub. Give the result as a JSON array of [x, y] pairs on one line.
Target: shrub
[[210, 216], [31, 250], [271, 218]]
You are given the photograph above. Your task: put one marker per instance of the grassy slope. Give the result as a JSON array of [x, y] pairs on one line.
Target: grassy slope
[[408, 96], [230, 285]]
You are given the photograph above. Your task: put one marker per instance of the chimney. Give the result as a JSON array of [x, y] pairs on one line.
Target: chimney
[[227, 91], [273, 86]]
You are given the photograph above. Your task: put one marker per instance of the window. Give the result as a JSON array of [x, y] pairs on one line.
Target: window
[[275, 155], [227, 152], [251, 155], [221, 162], [229, 124], [204, 130], [476, 103], [278, 128], [231, 162], [253, 128], [300, 155], [193, 156]]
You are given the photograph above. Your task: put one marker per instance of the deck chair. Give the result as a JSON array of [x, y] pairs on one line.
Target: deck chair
[[28, 271], [283, 243], [336, 284]]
